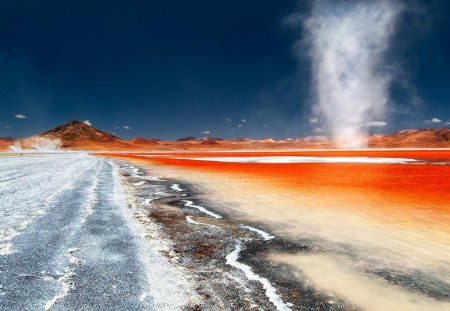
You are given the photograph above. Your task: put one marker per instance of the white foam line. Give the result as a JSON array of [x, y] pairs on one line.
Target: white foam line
[[271, 292], [176, 187], [190, 220], [66, 279], [148, 178], [139, 183], [299, 159], [188, 203], [266, 236]]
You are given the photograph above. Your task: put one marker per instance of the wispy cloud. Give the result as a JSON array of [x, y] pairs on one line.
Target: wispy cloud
[[206, 132], [318, 130], [433, 120], [87, 122], [240, 125], [376, 123], [243, 120], [126, 127], [313, 120], [20, 116], [228, 120]]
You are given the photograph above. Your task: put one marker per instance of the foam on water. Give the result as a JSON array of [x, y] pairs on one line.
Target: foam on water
[[191, 221], [266, 236], [176, 187], [300, 159], [232, 260], [189, 203]]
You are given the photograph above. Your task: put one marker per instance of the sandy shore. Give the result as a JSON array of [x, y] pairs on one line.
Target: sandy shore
[[217, 251], [361, 248]]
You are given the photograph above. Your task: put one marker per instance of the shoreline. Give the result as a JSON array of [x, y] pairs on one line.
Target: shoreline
[[223, 257], [202, 244]]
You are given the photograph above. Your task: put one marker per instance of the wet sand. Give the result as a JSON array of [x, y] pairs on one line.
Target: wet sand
[[371, 226]]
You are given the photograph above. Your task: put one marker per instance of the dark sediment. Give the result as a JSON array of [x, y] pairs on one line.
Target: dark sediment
[[202, 249]]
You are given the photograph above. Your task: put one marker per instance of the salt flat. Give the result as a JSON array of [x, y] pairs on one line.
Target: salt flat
[[67, 240]]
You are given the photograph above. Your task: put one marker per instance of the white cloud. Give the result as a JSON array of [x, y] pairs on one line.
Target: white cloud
[[8, 127], [126, 127], [244, 121], [433, 120], [313, 120], [20, 116], [376, 123], [318, 129], [240, 125], [87, 122], [228, 120], [206, 132], [117, 127]]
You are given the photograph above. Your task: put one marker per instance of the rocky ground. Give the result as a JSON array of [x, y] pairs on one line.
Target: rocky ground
[[226, 259]]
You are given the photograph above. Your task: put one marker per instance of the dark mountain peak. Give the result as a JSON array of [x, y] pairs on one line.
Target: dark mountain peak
[[189, 138], [75, 130]]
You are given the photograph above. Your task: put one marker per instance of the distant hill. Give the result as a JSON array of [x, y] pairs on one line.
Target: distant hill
[[79, 135], [5, 142], [73, 135], [413, 138], [143, 141], [74, 130], [189, 138], [76, 135]]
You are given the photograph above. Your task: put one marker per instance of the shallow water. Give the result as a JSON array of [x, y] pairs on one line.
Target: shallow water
[[380, 227]]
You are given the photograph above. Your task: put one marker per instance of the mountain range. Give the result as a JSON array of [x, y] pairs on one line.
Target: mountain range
[[76, 135]]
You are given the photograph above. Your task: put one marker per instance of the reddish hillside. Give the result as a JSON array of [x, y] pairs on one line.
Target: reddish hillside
[[414, 138], [143, 141], [5, 142], [74, 135], [79, 131]]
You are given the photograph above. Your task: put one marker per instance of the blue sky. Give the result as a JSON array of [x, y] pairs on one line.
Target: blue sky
[[169, 69]]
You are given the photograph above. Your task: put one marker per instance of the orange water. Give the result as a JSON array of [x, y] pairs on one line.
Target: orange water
[[396, 216], [393, 192]]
